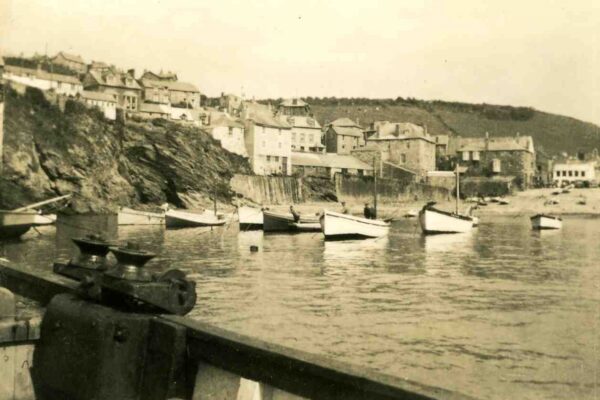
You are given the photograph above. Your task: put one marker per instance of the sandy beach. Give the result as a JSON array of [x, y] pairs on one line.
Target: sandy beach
[[528, 202]]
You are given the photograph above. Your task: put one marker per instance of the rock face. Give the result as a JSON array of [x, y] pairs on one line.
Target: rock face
[[49, 152]]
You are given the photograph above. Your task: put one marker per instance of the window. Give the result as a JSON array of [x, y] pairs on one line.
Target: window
[[570, 173], [311, 138], [475, 156], [268, 158], [276, 158], [583, 174], [294, 136], [576, 173], [465, 156], [230, 131], [302, 137], [496, 165], [557, 173], [407, 144], [403, 158]]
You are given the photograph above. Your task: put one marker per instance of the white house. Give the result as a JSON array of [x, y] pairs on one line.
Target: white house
[[43, 80], [268, 141], [105, 102], [306, 131], [574, 171], [229, 131]]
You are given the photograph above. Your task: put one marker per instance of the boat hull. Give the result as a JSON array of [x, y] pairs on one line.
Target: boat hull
[[44, 219], [128, 216], [435, 221], [182, 219], [14, 224], [541, 221], [277, 222], [250, 218], [338, 226]]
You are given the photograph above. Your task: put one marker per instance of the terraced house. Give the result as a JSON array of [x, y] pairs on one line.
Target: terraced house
[[343, 135], [165, 88], [306, 130], [509, 156], [122, 86], [405, 145], [71, 61], [268, 140], [62, 84]]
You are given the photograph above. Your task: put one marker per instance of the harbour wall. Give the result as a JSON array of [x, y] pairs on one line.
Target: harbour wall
[[288, 190]]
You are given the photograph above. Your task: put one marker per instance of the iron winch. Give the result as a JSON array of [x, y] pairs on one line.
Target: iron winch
[[125, 283]]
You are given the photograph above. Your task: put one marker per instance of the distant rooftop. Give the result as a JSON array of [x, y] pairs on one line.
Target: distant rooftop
[[170, 85], [329, 160], [41, 74], [71, 57], [504, 143], [385, 130], [90, 95]]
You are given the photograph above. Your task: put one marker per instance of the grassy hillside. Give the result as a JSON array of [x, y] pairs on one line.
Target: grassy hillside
[[552, 133]]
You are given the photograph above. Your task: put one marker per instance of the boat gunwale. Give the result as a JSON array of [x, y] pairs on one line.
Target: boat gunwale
[[555, 217], [362, 220], [447, 213]]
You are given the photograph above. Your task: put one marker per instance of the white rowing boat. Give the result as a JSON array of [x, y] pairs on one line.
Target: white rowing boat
[[434, 221], [545, 221], [128, 216], [184, 219], [44, 219], [250, 218], [14, 224], [337, 226]]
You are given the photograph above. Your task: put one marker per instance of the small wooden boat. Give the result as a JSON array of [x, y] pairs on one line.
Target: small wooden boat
[[14, 224], [128, 216], [306, 226], [284, 222], [503, 202], [546, 221], [250, 218], [337, 226], [434, 221], [184, 219], [44, 219]]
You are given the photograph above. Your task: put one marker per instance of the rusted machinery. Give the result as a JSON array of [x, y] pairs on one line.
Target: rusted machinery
[[126, 284]]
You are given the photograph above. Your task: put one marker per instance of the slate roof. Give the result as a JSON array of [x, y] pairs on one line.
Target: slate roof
[[71, 57], [507, 143], [41, 74], [300, 121], [347, 131], [102, 78], [399, 131], [330, 160], [170, 85], [90, 95], [345, 122], [154, 108], [293, 103], [263, 115], [223, 119]]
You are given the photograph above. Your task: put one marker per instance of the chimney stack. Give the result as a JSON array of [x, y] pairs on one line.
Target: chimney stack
[[397, 131], [131, 72]]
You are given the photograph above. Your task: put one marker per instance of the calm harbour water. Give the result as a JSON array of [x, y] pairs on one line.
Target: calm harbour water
[[501, 312]]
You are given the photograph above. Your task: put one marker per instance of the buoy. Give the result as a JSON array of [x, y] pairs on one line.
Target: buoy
[[253, 249]]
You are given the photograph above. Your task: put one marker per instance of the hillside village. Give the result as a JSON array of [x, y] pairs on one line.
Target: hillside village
[[286, 139]]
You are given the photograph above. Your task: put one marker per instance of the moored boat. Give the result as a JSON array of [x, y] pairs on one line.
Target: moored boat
[[14, 224], [434, 221], [546, 221], [44, 219], [284, 222], [184, 219], [250, 218], [128, 216], [337, 226], [306, 226]]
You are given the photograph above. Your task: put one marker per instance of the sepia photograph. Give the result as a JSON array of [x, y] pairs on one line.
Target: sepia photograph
[[287, 200]]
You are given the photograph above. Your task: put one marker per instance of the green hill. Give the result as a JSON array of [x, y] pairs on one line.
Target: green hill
[[552, 133]]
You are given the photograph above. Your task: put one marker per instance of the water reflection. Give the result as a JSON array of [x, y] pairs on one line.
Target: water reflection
[[500, 312]]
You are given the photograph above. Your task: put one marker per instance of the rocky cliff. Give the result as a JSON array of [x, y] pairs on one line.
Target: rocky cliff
[[51, 150]]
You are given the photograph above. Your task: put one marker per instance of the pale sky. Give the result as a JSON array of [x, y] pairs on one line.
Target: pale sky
[[543, 54]]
